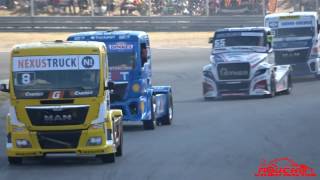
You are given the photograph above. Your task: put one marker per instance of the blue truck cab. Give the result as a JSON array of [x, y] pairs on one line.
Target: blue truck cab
[[129, 58]]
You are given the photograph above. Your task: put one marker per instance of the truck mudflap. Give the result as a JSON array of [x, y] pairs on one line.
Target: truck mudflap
[[163, 104], [283, 77]]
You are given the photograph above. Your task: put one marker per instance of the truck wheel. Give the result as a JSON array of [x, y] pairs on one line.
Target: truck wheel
[[167, 119], [15, 160], [108, 158], [272, 87], [289, 90], [150, 124], [119, 148]]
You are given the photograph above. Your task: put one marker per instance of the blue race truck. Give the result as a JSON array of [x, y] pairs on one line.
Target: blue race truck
[[129, 58]]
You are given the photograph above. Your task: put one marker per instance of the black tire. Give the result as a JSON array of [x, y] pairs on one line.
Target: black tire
[[15, 160], [210, 98], [167, 119], [119, 148], [289, 90], [107, 158], [150, 124], [273, 87]]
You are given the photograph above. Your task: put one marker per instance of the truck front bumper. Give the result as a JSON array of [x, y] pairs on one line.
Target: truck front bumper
[[213, 89], [33, 143]]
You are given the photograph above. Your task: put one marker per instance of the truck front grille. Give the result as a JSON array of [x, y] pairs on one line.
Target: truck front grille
[[59, 139], [237, 87], [292, 57], [57, 115], [233, 71]]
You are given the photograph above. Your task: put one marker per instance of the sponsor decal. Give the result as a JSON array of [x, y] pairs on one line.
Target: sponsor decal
[[284, 167], [297, 23], [120, 46], [226, 72], [273, 24], [120, 75], [56, 94], [34, 94], [254, 34], [82, 93], [43, 63]]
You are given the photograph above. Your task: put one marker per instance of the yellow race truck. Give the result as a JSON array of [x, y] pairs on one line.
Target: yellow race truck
[[59, 102]]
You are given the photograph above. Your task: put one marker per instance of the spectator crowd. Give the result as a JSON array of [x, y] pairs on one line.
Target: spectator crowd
[[133, 7]]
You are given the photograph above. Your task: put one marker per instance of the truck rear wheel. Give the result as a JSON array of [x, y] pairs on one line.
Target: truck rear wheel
[[289, 90], [108, 158], [167, 119], [150, 124], [15, 160]]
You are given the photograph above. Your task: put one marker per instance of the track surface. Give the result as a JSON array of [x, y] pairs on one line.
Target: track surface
[[216, 140]]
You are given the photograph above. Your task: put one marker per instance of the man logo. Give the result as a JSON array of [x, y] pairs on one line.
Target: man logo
[[87, 62], [64, 117]]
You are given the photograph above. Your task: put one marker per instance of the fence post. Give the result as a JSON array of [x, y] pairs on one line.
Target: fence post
[[32, 8], [207, 8], [264, 7], [149, 7], [92, 7]]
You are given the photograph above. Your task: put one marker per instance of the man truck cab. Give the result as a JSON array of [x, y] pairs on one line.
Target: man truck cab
[[130, 60], [59, 103], [296, 41]]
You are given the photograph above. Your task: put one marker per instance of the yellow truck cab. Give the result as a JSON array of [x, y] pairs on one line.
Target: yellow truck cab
[[59, 102]]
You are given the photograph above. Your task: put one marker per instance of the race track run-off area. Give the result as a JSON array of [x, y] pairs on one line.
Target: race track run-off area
[[209, 140]]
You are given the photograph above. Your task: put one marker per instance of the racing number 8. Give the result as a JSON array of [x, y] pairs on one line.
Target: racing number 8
[[25, 78]]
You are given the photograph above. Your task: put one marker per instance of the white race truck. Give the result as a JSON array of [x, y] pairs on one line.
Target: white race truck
[[242, 64], [296, 41]]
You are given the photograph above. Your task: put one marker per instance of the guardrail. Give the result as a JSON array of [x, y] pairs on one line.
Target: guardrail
[[153, 23]]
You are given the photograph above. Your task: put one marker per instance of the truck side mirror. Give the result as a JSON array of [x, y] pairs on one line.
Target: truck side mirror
[[110, 86], [4, 88], [210, 41]]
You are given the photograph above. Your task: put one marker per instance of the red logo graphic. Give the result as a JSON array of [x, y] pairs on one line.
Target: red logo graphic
[[56, 94], [284, 167]]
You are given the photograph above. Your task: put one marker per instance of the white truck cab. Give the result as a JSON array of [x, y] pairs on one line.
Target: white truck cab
[[296, 41]]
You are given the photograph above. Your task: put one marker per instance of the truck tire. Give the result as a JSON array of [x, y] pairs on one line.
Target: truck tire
[[15, 160], [119, 148], [167, 119], [272, 86], [289, 90], [150, 124], [107, 158]]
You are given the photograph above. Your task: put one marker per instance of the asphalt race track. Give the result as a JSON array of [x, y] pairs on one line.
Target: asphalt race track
[[209, 140]]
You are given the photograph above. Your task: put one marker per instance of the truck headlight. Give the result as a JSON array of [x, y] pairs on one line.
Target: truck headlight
[[23, 143], [94, 141], [260, 72], [97, 126]]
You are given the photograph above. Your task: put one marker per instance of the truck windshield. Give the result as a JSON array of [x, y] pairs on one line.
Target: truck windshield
[[71, 76], [40, 83], [294, 32], [121, 60], [226, 39]]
